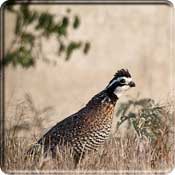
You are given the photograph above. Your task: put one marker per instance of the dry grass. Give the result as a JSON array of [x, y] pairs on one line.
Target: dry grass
[[117, 154], [127, 153]]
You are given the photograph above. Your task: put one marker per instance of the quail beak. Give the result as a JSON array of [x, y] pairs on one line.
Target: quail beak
[[132, 84]]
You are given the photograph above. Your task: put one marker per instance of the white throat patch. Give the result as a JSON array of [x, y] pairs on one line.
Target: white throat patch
[[121, 89]]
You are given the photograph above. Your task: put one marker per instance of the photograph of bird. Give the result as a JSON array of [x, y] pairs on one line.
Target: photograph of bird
[[88, 128]]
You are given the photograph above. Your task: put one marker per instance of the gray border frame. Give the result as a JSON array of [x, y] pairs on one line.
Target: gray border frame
[[2, 70]]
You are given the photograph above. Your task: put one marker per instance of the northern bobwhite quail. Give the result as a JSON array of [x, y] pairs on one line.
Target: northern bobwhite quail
[[87, 129]]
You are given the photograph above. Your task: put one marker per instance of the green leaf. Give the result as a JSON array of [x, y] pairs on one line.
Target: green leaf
[[62, 27], [71, 47], [146, 102], [65, 21], [25, 13], [76, 22], [27, 38], [18, 26], [33, 16], [45, 22], [148, 121], [25, 58], [135, 125], [21, 57], [86, 48], [61, 30], [9, 57], [61, 48], [45, 26]]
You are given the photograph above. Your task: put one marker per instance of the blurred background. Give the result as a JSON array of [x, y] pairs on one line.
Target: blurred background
[[60, 56]]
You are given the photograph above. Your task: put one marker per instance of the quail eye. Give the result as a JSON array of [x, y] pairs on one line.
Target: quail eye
[[122, 81]]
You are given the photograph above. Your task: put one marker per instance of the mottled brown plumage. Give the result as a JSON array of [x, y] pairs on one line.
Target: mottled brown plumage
[[87, 129]]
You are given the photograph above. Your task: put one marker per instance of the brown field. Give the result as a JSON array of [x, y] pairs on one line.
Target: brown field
[[126, 153], [118, 154]]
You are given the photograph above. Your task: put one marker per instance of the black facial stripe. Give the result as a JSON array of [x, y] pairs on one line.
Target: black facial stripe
[[117, 83], [121, 84], [114, 85], [124, 84]]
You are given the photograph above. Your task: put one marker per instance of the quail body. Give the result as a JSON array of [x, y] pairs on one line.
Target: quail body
[[87, 129]]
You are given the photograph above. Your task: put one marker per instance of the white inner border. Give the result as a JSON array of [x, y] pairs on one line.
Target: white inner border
[[118, 172]]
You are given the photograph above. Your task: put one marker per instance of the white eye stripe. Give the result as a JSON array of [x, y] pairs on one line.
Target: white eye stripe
[[125, 78], [118, 80]]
